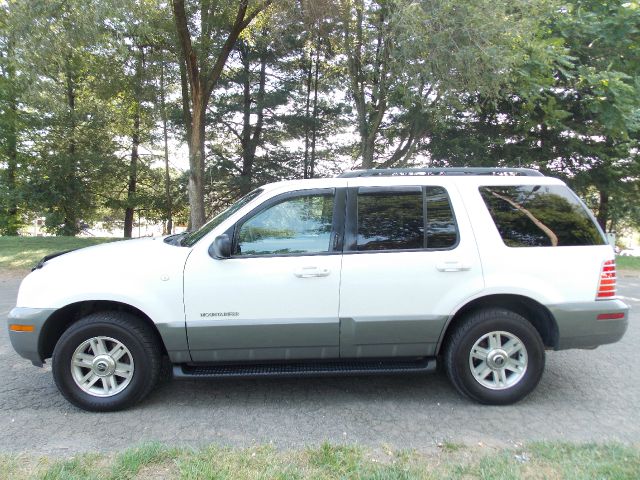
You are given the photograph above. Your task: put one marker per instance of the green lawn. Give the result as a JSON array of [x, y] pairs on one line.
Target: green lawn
[[18, 253], [451, 461], [628, 263]]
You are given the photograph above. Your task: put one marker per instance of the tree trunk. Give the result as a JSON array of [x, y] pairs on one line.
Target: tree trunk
[[12, 218], [314, 127], [196, 161], [368, 148], [187, 119], [603, 210], [307, 113], [251, 136], [184, 88], [167, 178], [70, 221], [135, 143], [133, 176], [247, 154]]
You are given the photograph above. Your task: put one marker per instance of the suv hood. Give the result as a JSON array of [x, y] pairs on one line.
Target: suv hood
[[130, 254], [126, 268]]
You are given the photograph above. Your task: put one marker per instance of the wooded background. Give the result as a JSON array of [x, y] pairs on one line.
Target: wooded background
[[96, 96]]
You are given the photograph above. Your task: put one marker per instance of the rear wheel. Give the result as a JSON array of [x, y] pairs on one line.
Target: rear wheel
[[106, 361], [495, 356]]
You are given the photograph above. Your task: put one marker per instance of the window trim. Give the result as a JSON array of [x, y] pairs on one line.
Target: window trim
[[351, 224], [337, 224]]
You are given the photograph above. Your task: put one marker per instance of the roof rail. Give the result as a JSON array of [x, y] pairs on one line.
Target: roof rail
[[392, 172]]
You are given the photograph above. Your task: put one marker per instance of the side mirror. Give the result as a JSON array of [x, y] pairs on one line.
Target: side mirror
[[221, 247]]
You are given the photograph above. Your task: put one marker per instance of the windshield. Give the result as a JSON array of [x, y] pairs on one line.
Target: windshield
[[191, 238]]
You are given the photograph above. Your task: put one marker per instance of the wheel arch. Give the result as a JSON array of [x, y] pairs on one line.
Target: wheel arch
[[537, 314], [64, 317]]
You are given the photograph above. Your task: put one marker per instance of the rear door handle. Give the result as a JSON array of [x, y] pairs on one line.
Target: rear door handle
[[453, 266], [311, 272]]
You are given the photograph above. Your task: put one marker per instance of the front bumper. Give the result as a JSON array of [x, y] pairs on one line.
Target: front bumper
[[26, 343], [579, 327]]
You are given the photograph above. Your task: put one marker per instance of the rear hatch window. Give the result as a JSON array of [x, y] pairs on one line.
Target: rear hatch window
[[541, 216]]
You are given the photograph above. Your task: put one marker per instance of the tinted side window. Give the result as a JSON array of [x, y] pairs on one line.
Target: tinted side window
[[298, 225], [395, 220], [441, 224], [390, 221], [540, 216]]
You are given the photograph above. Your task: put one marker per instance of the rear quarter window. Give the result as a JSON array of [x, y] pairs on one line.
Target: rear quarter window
[[540, 216]]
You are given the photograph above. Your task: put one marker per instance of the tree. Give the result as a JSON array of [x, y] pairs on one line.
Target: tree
[[143, 66], [276, 110], [572, 109], [10, 89], [71, 145], [219, 28], [405, 58]]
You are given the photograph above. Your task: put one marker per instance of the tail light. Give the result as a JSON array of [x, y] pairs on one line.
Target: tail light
[[607, 285]]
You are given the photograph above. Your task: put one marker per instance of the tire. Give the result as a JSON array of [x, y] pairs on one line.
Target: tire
[[117, 360], [494, 356]]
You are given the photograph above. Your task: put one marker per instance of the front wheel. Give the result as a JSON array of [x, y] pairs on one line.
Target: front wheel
[[106, 361], [495, 356]]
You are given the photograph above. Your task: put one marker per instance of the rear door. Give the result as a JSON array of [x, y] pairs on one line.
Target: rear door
[[410, 259]]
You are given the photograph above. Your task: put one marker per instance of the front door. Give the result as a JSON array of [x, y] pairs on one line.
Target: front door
[[276, 298]]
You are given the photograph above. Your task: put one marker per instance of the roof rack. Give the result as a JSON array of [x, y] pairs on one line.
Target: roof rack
[[392, 172]]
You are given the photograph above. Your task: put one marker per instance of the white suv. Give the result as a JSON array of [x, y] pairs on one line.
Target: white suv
[[374, 271]]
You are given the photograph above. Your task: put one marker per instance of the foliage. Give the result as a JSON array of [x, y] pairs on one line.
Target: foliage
[[261, 91], [405, 60], [572, 109]]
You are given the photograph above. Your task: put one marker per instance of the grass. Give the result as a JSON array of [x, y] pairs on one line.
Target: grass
[[534, 461], [628, 263], [20, 253]]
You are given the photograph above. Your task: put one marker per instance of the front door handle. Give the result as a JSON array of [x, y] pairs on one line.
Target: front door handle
[[453, 266], [311, 272]]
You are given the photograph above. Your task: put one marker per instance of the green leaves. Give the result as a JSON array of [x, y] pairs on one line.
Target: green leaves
[[547, 83], [571, 107]]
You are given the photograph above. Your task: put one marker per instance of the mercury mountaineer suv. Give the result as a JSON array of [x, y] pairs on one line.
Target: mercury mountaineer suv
[[375, 271]]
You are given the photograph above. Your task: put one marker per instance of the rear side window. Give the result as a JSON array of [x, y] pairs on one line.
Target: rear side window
[[390, 220], [540, 216], [441, 225], [415, 219]]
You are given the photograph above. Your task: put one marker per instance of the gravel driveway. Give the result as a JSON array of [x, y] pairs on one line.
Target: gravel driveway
[[583, 396]]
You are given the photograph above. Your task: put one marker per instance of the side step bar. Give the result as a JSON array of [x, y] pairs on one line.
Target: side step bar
[[305, 369]]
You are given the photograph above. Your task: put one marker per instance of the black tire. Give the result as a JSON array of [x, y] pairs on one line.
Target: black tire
[[141, 342], [474, 327]]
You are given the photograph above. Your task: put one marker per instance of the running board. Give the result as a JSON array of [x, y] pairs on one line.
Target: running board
[[304, 369]]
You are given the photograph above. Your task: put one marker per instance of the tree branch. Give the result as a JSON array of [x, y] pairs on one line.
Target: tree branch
[[232, 128], [548, 232], [240, 23], [190, 59]]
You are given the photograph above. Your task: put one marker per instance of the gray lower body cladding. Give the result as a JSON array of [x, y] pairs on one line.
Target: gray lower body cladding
[[580, 327], [578, 324], [238, 340], [26, 343]]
